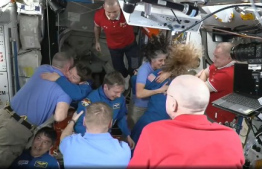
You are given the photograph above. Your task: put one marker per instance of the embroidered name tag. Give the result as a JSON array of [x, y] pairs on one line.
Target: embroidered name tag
[[22, 162]]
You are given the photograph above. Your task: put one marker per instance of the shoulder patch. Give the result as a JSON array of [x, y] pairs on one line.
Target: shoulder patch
[[41, 164], [151, 77], [85, 102], [116, 106]]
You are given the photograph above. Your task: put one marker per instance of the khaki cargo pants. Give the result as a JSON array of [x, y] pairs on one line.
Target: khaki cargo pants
[[13, 138]]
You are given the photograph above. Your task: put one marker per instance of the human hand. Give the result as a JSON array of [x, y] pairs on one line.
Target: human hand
[[77, 115], [162, 76], [164, 88], [135, 71], [130, 142], [98, 47], [199, 74], [50, 76]]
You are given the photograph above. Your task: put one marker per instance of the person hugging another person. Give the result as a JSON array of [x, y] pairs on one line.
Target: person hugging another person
[[182, 57], [75, 84], [155, 51], [189, 140]]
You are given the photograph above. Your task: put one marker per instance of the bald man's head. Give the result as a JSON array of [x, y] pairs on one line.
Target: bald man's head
[[187, 94]]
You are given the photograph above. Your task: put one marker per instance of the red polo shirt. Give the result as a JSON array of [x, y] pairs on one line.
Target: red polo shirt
[[221, 80], [118, 33], [188, 141]]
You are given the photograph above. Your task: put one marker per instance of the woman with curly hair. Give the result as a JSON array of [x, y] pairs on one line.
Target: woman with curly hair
[[182, 57], [156, 53]]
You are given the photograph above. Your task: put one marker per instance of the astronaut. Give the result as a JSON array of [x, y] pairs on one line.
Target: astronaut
[[38, 155], [110, 93]]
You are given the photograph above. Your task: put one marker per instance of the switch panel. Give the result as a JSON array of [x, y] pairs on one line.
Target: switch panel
[[2, 50], [4, 92]]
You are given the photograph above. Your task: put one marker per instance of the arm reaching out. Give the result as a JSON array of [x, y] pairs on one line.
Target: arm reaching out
[[203, 74], [69, 128]]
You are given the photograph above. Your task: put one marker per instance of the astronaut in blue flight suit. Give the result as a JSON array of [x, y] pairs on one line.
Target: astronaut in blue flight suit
[[156, 106], [111, 93], [38, 155], [75, 83]]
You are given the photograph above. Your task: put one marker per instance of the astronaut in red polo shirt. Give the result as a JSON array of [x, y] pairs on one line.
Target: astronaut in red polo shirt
[[219, 79], [120, 38]]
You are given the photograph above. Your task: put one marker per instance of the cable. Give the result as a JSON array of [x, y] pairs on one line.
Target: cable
[[16, 66], [213, 14], [178, 21], [48, 33], [256, 134], [240, 35], [249, 123]]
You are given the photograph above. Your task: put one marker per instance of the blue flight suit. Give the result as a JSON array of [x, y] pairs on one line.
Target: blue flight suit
[[26, 161], [156, 109], [118, 105], [76, 92]]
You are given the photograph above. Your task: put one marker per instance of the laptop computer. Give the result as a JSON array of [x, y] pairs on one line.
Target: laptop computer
[[245, 99]]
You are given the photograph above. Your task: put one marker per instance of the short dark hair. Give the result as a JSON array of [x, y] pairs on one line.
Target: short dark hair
[[83, 69], [114, 79], [48, 132]]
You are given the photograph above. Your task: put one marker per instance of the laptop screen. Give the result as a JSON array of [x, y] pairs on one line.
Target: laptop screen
[[244, 82]]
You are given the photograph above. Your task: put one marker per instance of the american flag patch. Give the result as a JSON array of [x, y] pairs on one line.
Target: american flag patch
[[151, 77]]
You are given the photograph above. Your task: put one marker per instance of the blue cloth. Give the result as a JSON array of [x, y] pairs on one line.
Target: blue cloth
[[94, 151], [76, 92], [156, 107], [132, 54], [26, 161], [118, 105], [143, 72], [38, 98]]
